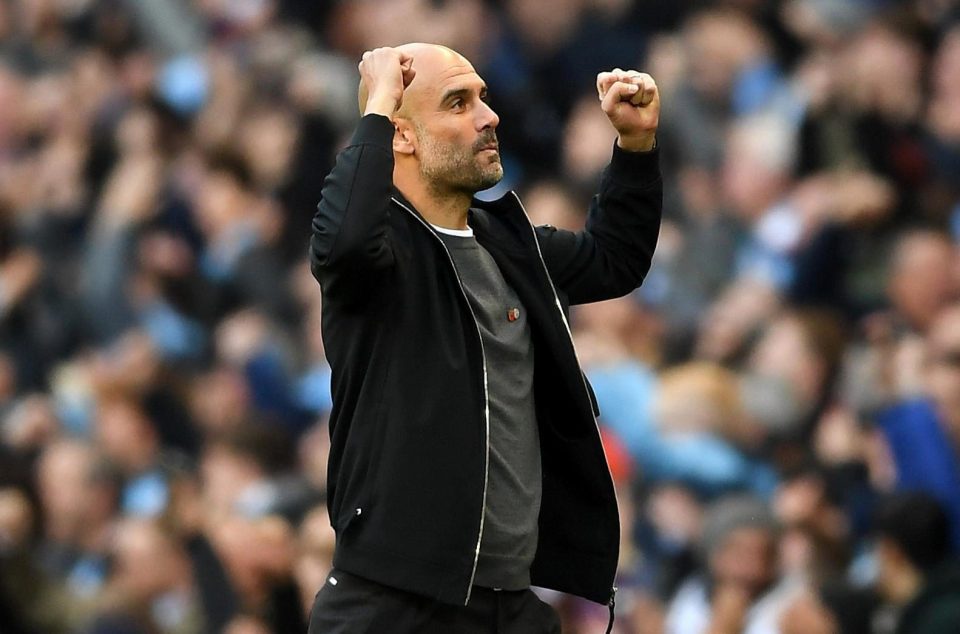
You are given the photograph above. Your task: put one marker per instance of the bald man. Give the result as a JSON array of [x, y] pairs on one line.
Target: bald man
[[465, 461]]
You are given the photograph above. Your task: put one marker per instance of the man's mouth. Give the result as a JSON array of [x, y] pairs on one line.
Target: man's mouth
[[493, 145]]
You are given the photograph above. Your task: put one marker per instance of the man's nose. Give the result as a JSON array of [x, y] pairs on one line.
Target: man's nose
[[486, 117]]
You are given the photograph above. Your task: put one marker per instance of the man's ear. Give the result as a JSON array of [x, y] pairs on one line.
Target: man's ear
[[404, 139]]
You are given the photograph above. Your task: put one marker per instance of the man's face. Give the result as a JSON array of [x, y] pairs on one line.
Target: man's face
[[456, 132], [926, 257], [747, 558], [943, 362], [63, 485]]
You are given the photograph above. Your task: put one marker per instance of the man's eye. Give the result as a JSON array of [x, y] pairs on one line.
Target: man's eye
[[457, 103]]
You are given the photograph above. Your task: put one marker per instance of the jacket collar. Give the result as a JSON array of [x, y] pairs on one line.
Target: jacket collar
[[508, 203]]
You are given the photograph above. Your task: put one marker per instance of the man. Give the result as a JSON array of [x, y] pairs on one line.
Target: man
[[915, 572], [921, 426], [465, 458], [740, 591]]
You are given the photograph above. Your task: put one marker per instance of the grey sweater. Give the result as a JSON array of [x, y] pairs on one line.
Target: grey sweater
[[509, 539]]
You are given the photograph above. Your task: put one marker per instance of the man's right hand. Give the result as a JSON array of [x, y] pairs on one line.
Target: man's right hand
[[384, 74]]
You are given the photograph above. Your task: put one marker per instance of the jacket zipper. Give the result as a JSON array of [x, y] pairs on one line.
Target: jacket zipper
[[563, 317], [611, 605], [486, 396]]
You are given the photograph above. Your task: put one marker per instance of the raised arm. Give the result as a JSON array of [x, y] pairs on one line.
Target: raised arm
[[612, 255], [350, 226]]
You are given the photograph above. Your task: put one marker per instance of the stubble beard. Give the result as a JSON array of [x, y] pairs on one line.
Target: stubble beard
[[449, 168]]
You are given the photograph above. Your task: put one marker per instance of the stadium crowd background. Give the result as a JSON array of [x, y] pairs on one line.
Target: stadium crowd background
[[791, 362]]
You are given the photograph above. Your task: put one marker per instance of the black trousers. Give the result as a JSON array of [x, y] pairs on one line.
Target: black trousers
[[348, 604]]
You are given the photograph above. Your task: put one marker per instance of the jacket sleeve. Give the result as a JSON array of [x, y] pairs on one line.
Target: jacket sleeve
[[350, 228], [611, 256]]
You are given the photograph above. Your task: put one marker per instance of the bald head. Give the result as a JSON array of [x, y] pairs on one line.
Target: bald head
[[432, 63], [444, 142]]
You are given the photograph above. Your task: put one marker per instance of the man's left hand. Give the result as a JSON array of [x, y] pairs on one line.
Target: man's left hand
[[631, 101]]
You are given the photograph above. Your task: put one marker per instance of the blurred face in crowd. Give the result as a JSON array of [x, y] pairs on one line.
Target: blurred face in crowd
[[451, 126], [814, 542], [746, 559], [550, 204], [943, 354], [126, 436], [268, 143], [545, 24], [255, 552], [219, 399], [875, 55], [63, 482], [946, 67], [785, 353], [719, 45], [221, 202], [137, 132], [921, 280], [78, 501], [586, 142], [226, 474], [148, 561], [756, 167], [943, 114]]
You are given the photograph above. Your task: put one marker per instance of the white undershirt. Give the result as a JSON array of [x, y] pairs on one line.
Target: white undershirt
[[462, 233]]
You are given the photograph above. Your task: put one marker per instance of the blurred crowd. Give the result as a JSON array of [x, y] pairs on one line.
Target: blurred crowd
[[780, 400]]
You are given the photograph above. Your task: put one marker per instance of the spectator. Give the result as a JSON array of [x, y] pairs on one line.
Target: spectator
[[740, 590], [921, 430], [915, 573], [151, 587]]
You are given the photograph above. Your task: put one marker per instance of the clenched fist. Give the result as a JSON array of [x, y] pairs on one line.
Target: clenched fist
[[631, 101], [384, 74]]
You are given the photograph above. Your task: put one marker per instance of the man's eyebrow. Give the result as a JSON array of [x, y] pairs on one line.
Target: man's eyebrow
[[461, 92], [454, 92]]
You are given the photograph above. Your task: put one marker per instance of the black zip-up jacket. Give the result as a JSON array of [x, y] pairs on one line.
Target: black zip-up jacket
[[409, 427]]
